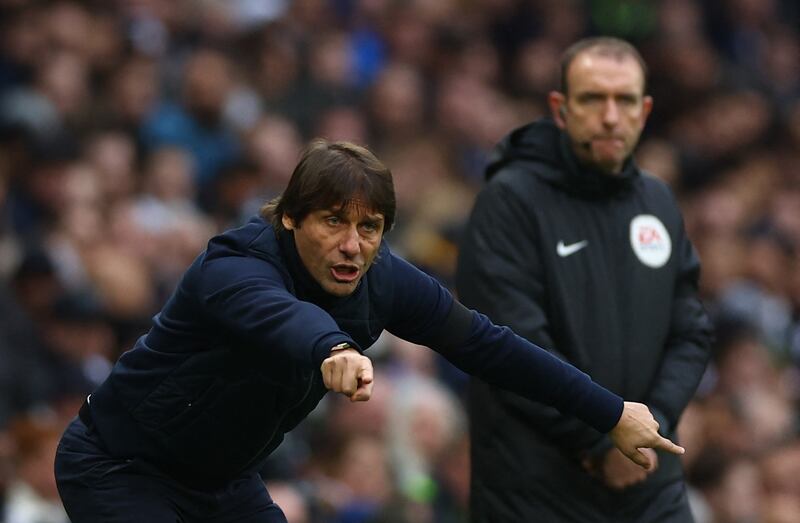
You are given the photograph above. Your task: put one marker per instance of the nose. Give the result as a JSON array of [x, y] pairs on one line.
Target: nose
[[610, 113], [349, 244]]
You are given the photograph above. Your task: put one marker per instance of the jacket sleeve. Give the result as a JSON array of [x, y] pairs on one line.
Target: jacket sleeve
[[500, 274], [249, 297], [424, 312], [687, 349]]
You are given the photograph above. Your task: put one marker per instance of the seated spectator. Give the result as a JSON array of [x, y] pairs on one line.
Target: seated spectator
[[32, 497]]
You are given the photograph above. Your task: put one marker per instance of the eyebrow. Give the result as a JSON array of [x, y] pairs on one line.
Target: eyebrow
[[604, 94], [370, 216], [369, 211]]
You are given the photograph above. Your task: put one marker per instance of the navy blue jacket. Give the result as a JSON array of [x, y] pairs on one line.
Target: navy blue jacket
[[232, 361]]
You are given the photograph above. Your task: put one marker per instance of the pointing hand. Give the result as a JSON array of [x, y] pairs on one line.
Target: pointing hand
[[348, 372], [637, 429]]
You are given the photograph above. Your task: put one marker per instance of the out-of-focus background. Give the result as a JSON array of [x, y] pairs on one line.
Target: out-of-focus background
[[133, 130]]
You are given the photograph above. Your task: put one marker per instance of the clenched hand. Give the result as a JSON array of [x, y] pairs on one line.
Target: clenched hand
[[618, 472], [637, 429], [348, 372]]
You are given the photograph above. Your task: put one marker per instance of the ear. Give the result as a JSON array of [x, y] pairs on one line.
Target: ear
[[558, 108], [647, 106], [287, 222]]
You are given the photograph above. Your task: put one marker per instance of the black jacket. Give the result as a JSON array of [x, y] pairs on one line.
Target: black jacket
[[598, 270], [232, 361]]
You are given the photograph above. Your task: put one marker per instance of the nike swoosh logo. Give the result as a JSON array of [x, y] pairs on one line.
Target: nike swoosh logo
[[567, 250]]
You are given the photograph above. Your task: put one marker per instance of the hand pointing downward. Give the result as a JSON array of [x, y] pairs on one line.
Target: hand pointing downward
[[638, 429]]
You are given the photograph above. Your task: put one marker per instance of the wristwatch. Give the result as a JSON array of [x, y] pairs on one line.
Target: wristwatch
[[341, 346]]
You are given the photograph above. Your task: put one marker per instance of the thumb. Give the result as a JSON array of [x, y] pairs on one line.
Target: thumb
[[640, 458]]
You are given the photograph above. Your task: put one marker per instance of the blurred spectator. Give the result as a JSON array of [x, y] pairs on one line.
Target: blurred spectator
[[361, 469], [55, 102], [425, 420], [761, 296], [32, 497], [397, 105], [133, 93], [731, 488], [343, 122], [452, 475], [274, 145], [196, 122], [36, 197], [536, 69], [23, 41], [276, 72], [25, 380], [112, 153], [168, 192], [236, 195], [80, 334], [291, 500]]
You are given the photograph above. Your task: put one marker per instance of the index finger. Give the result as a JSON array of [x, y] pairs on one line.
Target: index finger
[[669, 446]]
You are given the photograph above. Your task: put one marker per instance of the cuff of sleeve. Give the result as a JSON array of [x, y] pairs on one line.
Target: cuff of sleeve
[[603, 409], [322, 349]]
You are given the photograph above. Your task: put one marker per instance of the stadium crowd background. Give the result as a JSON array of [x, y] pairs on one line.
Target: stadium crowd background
[[132, 130]]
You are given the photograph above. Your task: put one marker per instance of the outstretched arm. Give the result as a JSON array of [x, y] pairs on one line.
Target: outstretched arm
[[426, 313], [501, 274]]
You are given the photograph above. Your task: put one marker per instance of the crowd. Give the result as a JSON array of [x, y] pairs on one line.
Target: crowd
[[132, 131]]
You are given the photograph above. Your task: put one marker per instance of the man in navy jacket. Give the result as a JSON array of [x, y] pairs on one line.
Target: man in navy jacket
[[267, 320]]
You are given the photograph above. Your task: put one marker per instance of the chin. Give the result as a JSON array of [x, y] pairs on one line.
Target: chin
[[341, 289], [608, 165]]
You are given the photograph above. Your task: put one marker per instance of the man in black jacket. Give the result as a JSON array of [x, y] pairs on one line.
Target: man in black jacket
[[266, 320], [576, 249]]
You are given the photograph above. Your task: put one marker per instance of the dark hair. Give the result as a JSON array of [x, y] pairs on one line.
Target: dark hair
[[331, 174], [604, 46]]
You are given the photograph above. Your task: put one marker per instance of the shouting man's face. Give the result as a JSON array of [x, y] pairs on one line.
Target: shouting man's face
[[338, 245]]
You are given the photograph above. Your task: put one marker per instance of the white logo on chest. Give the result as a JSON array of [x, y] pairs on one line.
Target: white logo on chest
[[650, 240], [572, 248]]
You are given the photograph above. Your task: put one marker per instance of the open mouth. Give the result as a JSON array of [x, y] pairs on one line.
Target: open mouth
[[613, 140], [344, 273]]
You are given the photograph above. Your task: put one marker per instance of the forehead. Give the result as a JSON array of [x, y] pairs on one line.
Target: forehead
[[355, 207], [592, 71]]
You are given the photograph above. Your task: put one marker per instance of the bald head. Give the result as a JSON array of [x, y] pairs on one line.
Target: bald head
[[604, 46]]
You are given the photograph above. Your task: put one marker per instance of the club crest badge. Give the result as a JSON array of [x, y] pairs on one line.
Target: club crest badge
[[650, 240]]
